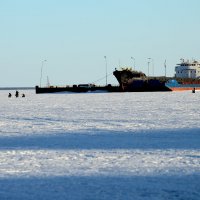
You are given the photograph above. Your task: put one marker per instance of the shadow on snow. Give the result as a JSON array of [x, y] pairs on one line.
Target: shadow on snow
[[101, 188], [159, 139]]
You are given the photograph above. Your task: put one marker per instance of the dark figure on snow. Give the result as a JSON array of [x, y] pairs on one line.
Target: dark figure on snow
[[9, 95], [17, 94], [23, 95]]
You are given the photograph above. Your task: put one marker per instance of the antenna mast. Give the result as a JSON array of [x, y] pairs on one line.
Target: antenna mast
[[48, 83], [165, 65]]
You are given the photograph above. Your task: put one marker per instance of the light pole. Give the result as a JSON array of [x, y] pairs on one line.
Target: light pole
[[152, 60], [41, 71], [149, 60], [133, 62], [106, 68]]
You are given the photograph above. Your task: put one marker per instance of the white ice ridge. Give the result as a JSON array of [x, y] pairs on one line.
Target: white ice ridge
[[44, 163]]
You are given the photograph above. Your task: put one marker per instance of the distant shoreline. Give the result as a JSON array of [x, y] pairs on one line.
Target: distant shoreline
[[17, 88]]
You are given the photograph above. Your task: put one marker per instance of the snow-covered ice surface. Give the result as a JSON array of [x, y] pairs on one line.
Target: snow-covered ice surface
[[100, 146]]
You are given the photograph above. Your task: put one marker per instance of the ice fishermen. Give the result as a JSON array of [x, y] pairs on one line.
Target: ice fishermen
[[16, 94]]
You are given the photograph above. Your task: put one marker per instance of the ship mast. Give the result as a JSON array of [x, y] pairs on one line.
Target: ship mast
[[42, 71], [106, 70]]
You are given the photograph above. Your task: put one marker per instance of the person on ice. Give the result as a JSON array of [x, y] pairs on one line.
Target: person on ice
[[23, 95], [9, 95], [17, 94]]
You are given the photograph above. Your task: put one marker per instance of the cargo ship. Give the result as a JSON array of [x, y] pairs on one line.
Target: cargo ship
[[187, 77], [136, 81]]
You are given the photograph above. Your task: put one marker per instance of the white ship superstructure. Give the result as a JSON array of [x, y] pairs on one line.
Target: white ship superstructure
[[187, 69]]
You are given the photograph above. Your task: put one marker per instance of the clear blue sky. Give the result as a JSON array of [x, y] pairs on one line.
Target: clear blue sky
[[74, 36]]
